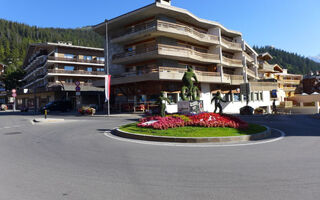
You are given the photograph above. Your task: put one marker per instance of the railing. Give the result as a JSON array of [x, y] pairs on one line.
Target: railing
[[249, 58], [267, 66], [183, 70], [236, 77], [135, 52], [166, 25], [187, 29], [289, 88], [75, 60], [284, 81], [63, 83], [231, 44], [135, 29], [232, 61], [251, 72], [62, 71], [161, 47]]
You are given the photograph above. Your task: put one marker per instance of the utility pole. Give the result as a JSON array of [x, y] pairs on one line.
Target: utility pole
[[106, 61]]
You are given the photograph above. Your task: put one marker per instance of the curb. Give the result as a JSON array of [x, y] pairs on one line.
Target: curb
[[244, 138]]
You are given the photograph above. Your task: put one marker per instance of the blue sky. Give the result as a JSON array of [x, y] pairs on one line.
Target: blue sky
[[292, 25]]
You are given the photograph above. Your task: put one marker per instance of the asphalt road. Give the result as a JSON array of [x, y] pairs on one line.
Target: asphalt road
[[74, 160]]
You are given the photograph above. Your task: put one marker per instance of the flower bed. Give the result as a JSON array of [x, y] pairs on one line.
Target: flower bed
[[199, 120]]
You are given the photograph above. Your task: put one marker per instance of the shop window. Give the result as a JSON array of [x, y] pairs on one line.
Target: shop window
[[236, 97]]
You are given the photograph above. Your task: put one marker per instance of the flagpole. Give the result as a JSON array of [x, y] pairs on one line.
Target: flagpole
[[106, 61]]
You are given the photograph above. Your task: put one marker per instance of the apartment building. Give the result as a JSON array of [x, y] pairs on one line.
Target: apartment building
[[287, 84], [311, 83], [149, 50], [2, 85], [53, 69]]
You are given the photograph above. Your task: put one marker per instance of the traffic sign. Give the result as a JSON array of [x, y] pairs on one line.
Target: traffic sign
[[14, 94], [77, 83], [78, 89], [78, 93], [13, 90]]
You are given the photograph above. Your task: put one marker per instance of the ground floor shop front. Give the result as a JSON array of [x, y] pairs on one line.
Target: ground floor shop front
[[143, 97], [31, 101]]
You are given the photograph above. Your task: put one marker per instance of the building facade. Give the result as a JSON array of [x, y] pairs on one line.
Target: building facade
[[149, 50], [311, 83], [54, 69]]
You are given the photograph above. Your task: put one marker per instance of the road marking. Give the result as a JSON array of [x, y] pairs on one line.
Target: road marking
[[108, 134]]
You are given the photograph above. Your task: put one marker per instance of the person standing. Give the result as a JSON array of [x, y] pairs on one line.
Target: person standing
[[217, 102]]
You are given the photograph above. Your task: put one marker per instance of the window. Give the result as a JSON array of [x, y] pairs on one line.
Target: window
[[89, 69], [236, 97], [89, 81], [261, 96], [70, 56], [87, 57], [69, 68], [256, 96], [172, 97], [69, 80], [100, 69], [100, 59]]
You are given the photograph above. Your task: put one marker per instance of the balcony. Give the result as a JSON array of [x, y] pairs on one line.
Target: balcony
[[251, 72], [82, 61], [266, 67], [163, 28], [76, 72], [164, 73], [263, 86], [165, 51], [289, 88], [288, 81], [233, 79], [231, 45], [232, 62], [248, 57]]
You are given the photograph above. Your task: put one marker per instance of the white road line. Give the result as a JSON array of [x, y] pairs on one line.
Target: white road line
[[108, 134]]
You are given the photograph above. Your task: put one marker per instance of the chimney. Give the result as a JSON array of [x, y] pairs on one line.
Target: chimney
[[166, 2]]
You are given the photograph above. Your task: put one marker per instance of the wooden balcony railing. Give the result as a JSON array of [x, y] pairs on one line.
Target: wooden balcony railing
[[79, 72], [187, 29], [178, 50], [75, 60], [231, 44], [166, 26], [249, 58], [232, 61], [251, 72]]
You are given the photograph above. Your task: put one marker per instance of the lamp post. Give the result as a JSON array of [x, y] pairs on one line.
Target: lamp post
[[106, 61]]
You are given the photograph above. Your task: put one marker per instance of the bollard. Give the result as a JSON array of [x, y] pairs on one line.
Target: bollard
[[45, 114]]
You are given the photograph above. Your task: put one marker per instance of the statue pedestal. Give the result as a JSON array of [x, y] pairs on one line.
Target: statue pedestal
[[190, 107]]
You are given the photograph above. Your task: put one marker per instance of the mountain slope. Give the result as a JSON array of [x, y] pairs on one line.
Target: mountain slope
[[293, 62], [15, 38], [315, 58]]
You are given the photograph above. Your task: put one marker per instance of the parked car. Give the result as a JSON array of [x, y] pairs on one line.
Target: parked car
[[62, 106]]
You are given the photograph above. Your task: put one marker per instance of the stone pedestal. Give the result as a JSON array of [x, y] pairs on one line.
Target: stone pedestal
[[190, 107]]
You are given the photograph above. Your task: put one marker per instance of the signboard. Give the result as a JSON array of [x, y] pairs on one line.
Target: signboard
[[188, 107], [78, 93], [78, 89]]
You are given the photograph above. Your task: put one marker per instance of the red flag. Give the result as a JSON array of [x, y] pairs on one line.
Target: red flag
[[107, 87]]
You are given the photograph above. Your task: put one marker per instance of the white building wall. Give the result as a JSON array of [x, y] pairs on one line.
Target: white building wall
[[228, 107]]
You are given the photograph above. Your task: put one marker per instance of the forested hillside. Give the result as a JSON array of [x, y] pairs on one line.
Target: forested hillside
[[291, 61], [15, 38]]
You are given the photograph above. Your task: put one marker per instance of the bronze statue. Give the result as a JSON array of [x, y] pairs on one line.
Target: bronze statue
[[217, 99], [162, 102], [189, 92]]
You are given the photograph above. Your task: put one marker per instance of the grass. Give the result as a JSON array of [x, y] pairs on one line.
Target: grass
[[191, 131]]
